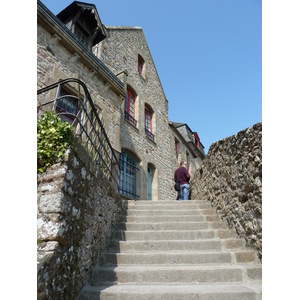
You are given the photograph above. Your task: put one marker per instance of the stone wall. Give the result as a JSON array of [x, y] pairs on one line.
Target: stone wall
[[232, 182], [77, 212]]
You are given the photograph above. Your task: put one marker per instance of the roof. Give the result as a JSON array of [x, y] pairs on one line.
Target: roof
[[184, 141], [124, 27], [70, 8], [177, 125]]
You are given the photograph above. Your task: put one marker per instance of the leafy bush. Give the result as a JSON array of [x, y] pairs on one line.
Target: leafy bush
[[53, 139]]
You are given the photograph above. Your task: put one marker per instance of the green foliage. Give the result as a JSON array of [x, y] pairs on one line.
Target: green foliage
[[53, 139]]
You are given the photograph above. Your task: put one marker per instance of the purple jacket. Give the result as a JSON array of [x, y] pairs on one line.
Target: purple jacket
[[183, 174]]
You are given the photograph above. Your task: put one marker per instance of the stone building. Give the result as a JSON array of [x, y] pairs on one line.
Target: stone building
[[187, 146], [116, 65], [61, 55], [145, 135]]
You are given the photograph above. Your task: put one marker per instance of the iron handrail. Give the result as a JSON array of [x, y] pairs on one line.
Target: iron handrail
[[91, 134]]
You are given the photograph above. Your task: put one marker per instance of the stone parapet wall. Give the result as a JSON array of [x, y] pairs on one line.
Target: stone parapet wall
[[77, 212], [232, 183]]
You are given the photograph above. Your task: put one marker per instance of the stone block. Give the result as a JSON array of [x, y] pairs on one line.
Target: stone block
[[245, 256], [51, 203]]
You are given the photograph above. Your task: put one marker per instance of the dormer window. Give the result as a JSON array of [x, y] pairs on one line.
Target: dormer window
[[82, 19]]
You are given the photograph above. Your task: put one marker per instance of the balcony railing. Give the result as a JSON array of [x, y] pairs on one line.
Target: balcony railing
[[86, 122], [131, 119], [149, 134]]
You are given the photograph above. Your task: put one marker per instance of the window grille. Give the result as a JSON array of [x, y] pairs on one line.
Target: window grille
[[128, 172], [148, 124]]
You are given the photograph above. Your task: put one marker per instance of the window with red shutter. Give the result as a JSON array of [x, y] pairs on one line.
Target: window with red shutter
[[130, 106], [140, 65]]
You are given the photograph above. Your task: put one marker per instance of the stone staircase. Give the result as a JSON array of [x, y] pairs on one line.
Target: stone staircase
[[175, 250]]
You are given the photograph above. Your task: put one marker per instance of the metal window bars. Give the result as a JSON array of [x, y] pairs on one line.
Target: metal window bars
[[131, 119], [149, 134], [86, 122], [128, 176]]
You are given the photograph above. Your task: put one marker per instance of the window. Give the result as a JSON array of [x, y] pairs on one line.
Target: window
[[130, 106], [148, 123], [150, 177], [187, 160], [141, 63], [128, 172], [66, 105], [176, 148], [197, 140], [81, 34]]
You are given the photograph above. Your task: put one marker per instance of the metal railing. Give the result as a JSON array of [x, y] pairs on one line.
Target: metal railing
[[86, 122], [131, 119], [149, 134]]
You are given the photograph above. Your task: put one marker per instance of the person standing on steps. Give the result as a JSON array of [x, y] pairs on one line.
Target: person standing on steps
[[184, 177]]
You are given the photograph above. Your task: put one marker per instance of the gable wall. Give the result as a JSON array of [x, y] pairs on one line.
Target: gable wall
[[120, 52]]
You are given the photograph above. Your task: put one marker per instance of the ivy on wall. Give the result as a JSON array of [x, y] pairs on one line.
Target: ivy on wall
[[53, 139]]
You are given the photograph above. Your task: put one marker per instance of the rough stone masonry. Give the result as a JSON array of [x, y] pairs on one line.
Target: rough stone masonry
[[77, 212], [232, 182]]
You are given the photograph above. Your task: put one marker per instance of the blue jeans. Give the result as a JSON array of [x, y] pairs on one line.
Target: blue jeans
[[184, 191]]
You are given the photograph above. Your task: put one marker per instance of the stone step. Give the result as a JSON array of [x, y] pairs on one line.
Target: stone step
[[175, 206], [165, 202], [173, 292], [166, 212], [171, 257], [137, 226], [177, 245], [202, 210], [164, 235], [181, 274], [147, 245], [180, 257], [164, 218], [175, 234]]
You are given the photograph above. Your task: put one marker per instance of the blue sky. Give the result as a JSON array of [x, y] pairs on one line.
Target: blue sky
[[208, 55]]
